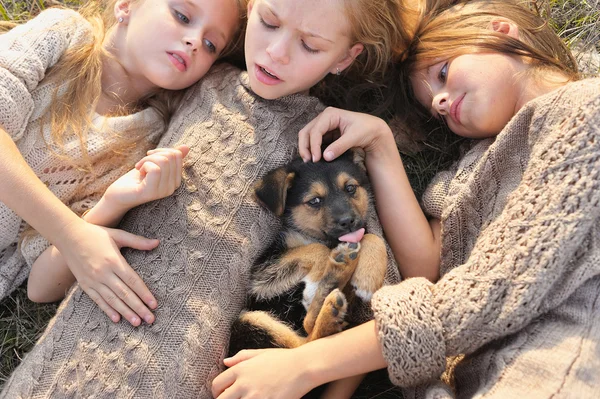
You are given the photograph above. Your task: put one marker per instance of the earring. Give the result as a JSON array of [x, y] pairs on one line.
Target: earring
[[337, 71], [120, 20]]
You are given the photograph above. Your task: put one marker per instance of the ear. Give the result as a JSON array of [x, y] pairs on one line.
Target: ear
[[506, 27], [351, 55], [271, 190], [122, 9], [358, 157], [250, 4]]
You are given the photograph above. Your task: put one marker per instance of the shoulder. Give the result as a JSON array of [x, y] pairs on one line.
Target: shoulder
[[53, 24]]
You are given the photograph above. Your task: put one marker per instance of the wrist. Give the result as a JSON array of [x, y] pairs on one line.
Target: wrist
[[106, 213], [383, 140]]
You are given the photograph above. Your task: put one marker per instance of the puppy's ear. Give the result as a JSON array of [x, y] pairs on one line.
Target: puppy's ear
[[358, 157], [271, 190]]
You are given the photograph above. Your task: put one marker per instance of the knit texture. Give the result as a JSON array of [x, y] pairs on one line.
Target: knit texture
[[520, 262], [26, 53], [211, 231]]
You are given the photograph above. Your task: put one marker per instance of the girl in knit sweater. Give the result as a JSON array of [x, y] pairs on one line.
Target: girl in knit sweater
[[83, 96], [238, 126], [511, 240]]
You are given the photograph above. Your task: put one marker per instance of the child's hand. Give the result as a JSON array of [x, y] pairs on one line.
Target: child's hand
[[357, 130], [155, 176], [94, 258], [262, 373]]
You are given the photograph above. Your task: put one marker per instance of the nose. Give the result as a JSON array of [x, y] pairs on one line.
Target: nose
[[440, 103], [345, 222], [191, 42], [278, 50]]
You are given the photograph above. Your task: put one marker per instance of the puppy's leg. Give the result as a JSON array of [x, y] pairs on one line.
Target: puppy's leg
[[372, 266], [331, 317], [340, 266], [279, 274], [258, 329]]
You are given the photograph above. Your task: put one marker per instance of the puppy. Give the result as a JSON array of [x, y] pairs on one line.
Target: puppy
[[322, 262]]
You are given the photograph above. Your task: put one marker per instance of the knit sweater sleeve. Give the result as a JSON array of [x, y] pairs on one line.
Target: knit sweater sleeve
[[26, 53], [520, 262]]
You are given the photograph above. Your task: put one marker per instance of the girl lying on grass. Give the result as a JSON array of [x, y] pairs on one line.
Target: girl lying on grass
[[83, 96], [513, 226]]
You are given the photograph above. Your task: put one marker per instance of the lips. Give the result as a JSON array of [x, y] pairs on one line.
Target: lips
[[455, 109], [179, 59], [266, 76]]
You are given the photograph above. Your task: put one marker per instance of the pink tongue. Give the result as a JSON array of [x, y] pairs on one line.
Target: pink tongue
[[355, 236]]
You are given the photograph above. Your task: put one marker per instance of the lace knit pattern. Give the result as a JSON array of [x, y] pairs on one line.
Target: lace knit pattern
[[210, 230], [520, 246], [26, 53]]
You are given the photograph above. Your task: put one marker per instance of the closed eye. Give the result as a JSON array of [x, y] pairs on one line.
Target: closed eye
[[266, 25]]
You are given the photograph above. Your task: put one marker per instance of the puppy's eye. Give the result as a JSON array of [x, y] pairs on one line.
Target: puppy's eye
[[351, 188], [315, 202]]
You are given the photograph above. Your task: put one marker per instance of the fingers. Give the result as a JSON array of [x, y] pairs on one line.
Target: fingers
[[125, 239], [310, 137], [110, 312], [241, 356], [165, 179], [115, 297], [222, 382]]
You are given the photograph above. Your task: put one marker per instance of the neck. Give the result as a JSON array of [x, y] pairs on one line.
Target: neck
[[119, 88], [535, 84]]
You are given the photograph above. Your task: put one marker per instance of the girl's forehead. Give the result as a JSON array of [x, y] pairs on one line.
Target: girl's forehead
[[325, 18]]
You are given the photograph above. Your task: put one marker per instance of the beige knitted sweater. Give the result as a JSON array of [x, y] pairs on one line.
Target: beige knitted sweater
[[26, 54], [520, 262], [211, 230]]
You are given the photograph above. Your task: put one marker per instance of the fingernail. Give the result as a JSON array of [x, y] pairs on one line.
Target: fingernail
[[115, 318], [149, 319], [134, 321], [152, 304], [328, 155], [226, 359]]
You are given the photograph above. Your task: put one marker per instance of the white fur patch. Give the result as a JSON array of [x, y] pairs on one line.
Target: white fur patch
[[310, 289], [362, 294]]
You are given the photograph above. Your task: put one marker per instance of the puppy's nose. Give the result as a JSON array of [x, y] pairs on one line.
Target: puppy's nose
[[345, 222]]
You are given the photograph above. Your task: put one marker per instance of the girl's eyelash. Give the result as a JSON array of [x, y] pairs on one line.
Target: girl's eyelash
[[443, 75], [309, 49], [266, 25], [211, 47], [184, 19]]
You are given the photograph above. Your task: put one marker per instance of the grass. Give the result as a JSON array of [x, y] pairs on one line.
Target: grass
[[21, 321]]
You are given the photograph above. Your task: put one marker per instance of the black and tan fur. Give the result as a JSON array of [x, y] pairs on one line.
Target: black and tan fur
[[302, 286]]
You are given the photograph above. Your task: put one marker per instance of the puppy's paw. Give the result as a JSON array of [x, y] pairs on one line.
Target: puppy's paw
[[336, 305], [345, 252]]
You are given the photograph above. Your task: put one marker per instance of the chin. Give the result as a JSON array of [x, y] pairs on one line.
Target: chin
[[265, 92]]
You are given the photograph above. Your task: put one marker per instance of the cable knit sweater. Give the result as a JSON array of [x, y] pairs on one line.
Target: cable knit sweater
[[520, 262], [211, 231], [26, 54]]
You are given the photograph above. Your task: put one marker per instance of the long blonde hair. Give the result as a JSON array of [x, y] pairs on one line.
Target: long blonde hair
[[81, 68]]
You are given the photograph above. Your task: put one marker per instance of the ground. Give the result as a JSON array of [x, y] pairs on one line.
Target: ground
[[22, 322]]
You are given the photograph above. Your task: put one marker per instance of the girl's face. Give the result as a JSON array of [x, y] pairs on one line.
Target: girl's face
[[171, 44], [475, 94], [291, 45]]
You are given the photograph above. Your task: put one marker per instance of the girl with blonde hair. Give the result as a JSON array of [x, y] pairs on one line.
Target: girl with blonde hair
[[83, 96], [509, 235], [238, 124]]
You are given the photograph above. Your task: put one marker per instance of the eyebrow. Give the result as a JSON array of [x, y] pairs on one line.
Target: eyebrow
[[304, 32]]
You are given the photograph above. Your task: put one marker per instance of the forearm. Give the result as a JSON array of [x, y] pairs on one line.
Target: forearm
[[342, 388], [23, 192], [414, 242], [49, 277], [349, 353]]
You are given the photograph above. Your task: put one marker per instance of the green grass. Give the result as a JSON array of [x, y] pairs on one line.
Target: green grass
[[21, 321]]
